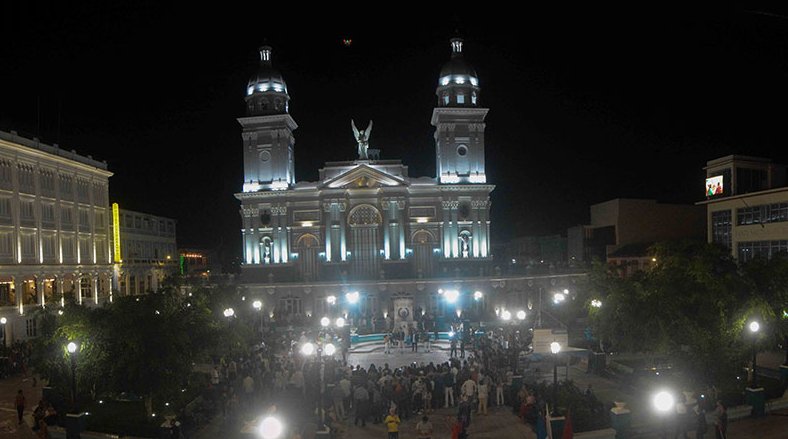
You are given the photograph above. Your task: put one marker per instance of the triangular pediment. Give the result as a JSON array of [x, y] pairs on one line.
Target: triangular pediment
[[363, 177]]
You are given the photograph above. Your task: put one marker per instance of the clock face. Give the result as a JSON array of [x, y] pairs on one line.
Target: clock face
[[464, 211]]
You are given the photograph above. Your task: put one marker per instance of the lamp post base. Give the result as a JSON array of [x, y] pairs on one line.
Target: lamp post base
[[757, 399]]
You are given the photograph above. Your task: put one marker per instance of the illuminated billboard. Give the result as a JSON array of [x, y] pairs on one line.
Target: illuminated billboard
[[714, 186], [116, 232]]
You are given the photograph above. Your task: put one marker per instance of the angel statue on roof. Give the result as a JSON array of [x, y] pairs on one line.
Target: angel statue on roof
[[362, 137]]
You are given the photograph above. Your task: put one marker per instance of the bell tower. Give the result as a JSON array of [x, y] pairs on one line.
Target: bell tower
[[459, 122], [267, 130]]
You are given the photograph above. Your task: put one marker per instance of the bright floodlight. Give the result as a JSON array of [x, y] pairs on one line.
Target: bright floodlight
[[558, 297], [331, 300], [459, 313], [352, 297], [340, 322], [755, 326], [308, 348], [330, 349], [596, 303], [555, 347], [663, 401], [451, 295], [478, 295], [506, 315], [72, 347], [229, 312], [325, 321], [257, 304], [270, 428], [521, 315]]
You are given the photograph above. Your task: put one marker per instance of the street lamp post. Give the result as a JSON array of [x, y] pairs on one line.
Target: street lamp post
[[309, 349], [72, 349], [555, 348], [754, 328], [258, 305], [663, 402]]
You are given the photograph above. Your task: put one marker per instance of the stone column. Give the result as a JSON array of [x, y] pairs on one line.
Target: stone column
[[19, 294], [94, 285], [40, 290], [78, 288], [61, 290]]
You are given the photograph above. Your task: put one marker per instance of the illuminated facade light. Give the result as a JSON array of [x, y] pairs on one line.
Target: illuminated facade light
[[353, 297], [477, 296], [596, 303], [331, 300], [506, 315], [451, 295], [521, 315], [422, 220], [306, 224], [558, 298]]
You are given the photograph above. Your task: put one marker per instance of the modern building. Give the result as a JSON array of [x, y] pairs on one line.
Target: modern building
[[146, 251], [621, 230], [747, 206], [54, 230], [367, 225], [198, 263]]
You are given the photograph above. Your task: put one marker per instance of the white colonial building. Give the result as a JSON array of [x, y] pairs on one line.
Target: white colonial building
[[367, 225], [54, 230]]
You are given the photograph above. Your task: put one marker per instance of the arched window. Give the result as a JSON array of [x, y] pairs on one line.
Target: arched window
[[266, 249]]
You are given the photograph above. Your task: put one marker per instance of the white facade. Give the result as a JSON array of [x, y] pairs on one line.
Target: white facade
[[148, 251], [54, 229], [367, 225]]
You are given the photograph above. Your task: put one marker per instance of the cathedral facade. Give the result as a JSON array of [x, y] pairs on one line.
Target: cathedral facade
[[367, 226]]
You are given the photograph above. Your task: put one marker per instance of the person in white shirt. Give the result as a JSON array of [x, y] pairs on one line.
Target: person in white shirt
[[468, 388], [483, 394]]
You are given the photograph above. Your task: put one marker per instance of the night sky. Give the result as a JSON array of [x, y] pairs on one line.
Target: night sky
[[585, 105]]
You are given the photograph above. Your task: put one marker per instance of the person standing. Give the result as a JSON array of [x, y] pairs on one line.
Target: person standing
[[414, 346], [360, 402], [499, 401], [453, 352], [20, 405], [721, 422], [483, 394], [392, 422], [424, 428], [387, 343], [448, 389], [427, 336], [700, 422]]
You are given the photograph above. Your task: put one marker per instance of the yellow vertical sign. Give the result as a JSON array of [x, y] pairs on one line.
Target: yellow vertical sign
[[116, 232]]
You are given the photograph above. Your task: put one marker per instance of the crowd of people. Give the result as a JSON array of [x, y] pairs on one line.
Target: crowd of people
[[480, 375]]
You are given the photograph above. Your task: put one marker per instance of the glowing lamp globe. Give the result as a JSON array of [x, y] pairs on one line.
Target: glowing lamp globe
[[755, 326], [521, 315], [506, 315], [340, 322], [451, 295], [663, 401], [330, 349], [555, 347], [324, 322], [229, 312], [3, 321], [308, 349], [71, 347], [478, 296], [352, 297], [257, 305], [270, 428]]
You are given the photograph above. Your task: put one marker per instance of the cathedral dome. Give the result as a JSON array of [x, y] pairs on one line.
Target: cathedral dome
[[266, 92], [458, 84]]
